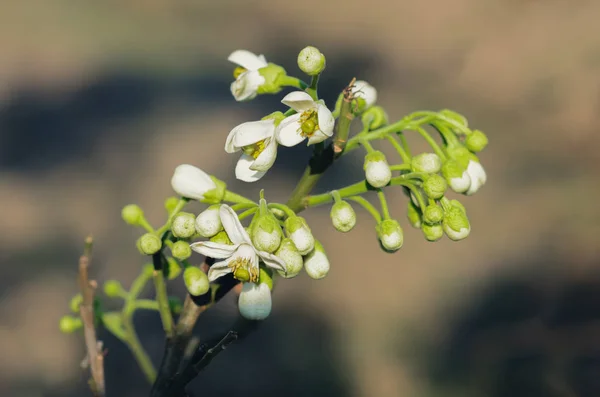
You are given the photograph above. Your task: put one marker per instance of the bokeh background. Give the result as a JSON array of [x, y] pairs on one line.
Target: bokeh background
[[99, 101]]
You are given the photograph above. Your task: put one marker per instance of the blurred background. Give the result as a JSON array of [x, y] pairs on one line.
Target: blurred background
[[100, 101]]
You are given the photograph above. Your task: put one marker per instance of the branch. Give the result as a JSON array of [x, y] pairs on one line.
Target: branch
[[95, 354], [346, 116]]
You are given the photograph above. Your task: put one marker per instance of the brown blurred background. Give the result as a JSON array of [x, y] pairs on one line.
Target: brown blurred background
[[101, 100]]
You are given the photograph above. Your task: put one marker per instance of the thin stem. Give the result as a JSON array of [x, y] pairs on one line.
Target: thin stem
[[345, 119], [290, 81], [403, 154], [163, 302], [136, 347], [236, 198], [247, 213], [241, 206], [368, 147], [404, 143], [144, 224], [147, 304], [384, 205], [431, 143], [312, 89], [288, 211], [368, 206]]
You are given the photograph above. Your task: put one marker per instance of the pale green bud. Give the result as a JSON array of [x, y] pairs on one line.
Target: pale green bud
[[390, 235], [175, 304], [183, 225], [272, 74], [265, 231], [456, 224], [132, 214], [377, 170], [149, 244], [299, 232], [456, 176], [75, 302], [343, 216], [148, 269], [433, 214], [171, 203], [181, 250], [365, 95], [70, 324], [196, 281], [435, 186], [426, 162], [458, 204], [414, 215], [433, 232], [476, 141], [113, 289], [374, 117], [222, 238], [316, 263], [215, 196], [311, 61], [265, 276], [459, 153], [289, 254], [255, 302], [208, 222], [174, 269]]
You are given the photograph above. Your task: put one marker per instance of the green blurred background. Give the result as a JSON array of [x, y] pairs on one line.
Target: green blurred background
[[101, 100]]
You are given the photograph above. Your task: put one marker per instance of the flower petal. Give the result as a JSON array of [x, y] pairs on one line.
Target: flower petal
[[231, 223], [244, 172], [287, 133], [272, 261], [316, 137], [245, 87], [252, 132], [213, 250], [191, 182], [247, 59], [219, 269], [266, 159], [364, 90], [255, 301], [326, 120], [299, 101]]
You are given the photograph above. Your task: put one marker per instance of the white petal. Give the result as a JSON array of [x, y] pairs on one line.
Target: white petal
[[247, 59], [316, 264], [213, 250], [316, 137], [364, 90], [272, 261], [287, 133], [252, 132], [219, 269], [243, 172], [255, 301], [245, 87], [478, 177], [299, 101], [326, 120], [266, 159], [231, 223], [191, 182], [229, 146]]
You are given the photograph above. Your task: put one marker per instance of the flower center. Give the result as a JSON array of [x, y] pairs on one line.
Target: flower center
[[256, 148], [238, 71], [242, 269], [309, 123]]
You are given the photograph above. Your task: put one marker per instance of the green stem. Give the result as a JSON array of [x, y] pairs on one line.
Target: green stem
[[247, 213], [290, 81], [147, 304], [343, 124], [163, 302], [144, 224], [368, 206], [236, 198], [404, 143], [136, 347], [241, 206], [403, 154], [384, 205], [288, 211], [432, 143], [180, 204], [312, 89]]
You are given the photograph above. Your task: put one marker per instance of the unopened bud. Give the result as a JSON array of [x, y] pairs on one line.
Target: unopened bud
[[299, 232], [390, 235], [311, 61], [132, 214], [183, 225], [433, 214], [70, 324], [414, 215], [272, 75], [365, 92], [316, 263], [173, 267], [289, 254], [196, 281], [208, 223], [171, 204], [113, 289], [476, 141], [191, 182], [175, 304], [426, 162], [374, 118], [456, 176], [377, 170], [432, 232], [149, 244], [75, 302], [435, 187], [255, 302], [477, 175], [456, 224], [265, 232], [181, 250], [343, 216], [222, 238]]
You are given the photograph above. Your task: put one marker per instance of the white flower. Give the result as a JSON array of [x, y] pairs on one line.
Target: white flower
[[191, 182], [254, 302], [366, 91], [316, 263], [477, 175], [245, 87], [257, 141], [242, 255], [313, 120]]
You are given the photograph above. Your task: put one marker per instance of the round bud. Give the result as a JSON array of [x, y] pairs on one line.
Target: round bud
[[456, 176], [75, 302], [222, 238], [343, 216], [183, 225], [148, 269], [377, 170], [414, 215], [149, 244], [208, 222], [390, 235], [311, 61], [132, 214], [196, 281], [266, 233], [289, 254], [426, 162], [456, 224], [173, 267], [365, 93], [476, 141], [316, 263], [181, 250], [255, 302], [113, 289], [435, 186], [478, 177], [175, 304], [433, 232], [374, 118], [299, 232], [171, 203], [433, 214], [69, 324]]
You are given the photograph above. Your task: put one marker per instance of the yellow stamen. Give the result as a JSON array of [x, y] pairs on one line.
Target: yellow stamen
[[256, 148], [238, 71], [243, 270], [309, 123]]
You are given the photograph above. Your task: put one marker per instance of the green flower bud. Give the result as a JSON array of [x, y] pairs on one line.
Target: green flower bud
[[113, 289], [476, 141], [435, 186], [374, 117], [456, 224], [390, 235], [343, 216], [173, 267], [148, 269], [265, 231], [454, 116], [458, 204], [277, 116], [456, 175], [311, 61], [222, 238], [365, 95], [181, 250], [196, 281], [433, 214], [149, 244], [216, 195], [289, 254], [459, 153], [265, 276], [316, 262], [70, 324], [426, 162], [132, 214], [377, 170], [273, 75], [175, 304], [414, 215], [183, 225], [299, 232], [171, 203], [433, 232], [75, 302]]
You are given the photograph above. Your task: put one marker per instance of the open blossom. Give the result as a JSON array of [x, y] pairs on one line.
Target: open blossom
[[240, 258], [256, 140], [247, 77], [313, 120]]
